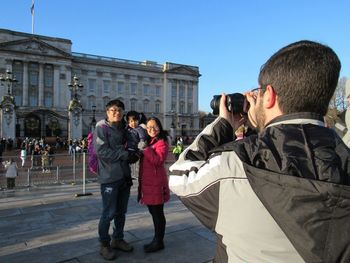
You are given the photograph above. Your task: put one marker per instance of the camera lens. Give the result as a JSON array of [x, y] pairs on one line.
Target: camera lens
[[235, 103], [215, 104]]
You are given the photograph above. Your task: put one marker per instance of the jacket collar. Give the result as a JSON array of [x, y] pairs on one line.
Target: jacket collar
[[298, 118]]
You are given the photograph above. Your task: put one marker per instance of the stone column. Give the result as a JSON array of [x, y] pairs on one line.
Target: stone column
[[25, 83], [41, 85], [56, 86]]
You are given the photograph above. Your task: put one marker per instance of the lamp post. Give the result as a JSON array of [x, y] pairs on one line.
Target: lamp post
[[8, 79], [93, 120], [8, 114], [75, 110], [75, 86], [173, 127]]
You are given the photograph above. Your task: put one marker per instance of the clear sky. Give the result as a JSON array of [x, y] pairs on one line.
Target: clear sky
[[227, 39]]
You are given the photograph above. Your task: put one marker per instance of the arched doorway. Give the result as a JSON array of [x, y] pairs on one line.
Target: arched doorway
[[32, 124]]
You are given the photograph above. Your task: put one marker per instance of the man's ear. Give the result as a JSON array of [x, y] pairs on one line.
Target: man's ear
[[269, 97]]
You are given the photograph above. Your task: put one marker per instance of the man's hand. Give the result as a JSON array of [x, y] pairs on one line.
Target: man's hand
[[252, 111], [235, 120]]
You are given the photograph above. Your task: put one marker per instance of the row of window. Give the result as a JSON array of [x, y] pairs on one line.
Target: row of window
[[182, 91], [133, 104], [33, 83], [121, 88]]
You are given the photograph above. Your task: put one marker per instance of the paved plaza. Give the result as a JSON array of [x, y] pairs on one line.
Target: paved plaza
[[49, 224]]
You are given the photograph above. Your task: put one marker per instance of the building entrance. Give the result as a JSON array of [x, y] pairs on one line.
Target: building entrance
[[32, 124]]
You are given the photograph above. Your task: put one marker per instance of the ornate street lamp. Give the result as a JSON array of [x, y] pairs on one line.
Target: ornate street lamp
[[8, 79], [7, 105], [75, 86], [75, 110]]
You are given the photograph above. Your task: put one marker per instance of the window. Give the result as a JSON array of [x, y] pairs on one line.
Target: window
[[17, 70], [173, 90], [182, 92], [173, 106], [146, 106], [157, 107], [106, 86], [133, 104], [91, 102], [120, 87], [157, 91], [190, 92], [189, 108], [133, 88], [105, 101], [182, 108], [145, 89], [33, 97], [33, 89], [48, 99], [92, 85], [48, 85], [48, 76], [33, 74]]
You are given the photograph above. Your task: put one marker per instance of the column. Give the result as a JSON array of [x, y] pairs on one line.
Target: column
[[66, 89], [56, 86], [25, 83], [41, 85]]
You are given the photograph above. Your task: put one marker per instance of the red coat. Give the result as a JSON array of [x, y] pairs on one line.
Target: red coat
[[153, 179]]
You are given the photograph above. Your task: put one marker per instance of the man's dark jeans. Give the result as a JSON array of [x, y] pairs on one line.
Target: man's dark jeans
[[115, 197]]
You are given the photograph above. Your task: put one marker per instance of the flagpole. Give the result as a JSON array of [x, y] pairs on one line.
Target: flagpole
[[32, 11]]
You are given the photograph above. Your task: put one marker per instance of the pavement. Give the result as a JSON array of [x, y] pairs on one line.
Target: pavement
[[50, 224]]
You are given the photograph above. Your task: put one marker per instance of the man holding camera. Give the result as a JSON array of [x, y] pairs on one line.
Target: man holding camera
[[282, 195]]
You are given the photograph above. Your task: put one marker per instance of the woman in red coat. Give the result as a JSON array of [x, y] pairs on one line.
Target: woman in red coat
[[153, 180]]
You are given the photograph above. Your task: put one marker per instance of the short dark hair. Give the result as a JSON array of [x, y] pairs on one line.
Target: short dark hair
[[133, 114], [115, 102], [304, 76]]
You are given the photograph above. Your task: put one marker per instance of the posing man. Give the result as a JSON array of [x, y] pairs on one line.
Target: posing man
[[281, 195], [114, 176]]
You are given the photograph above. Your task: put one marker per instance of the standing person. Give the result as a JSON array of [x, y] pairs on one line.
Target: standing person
[[153, 180], [23, 154], [45, 159], [109, 140], [11, 173], [36, 155], [281, 195], [178, 148]]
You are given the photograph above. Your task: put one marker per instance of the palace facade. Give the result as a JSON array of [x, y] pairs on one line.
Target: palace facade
[[44, 66]]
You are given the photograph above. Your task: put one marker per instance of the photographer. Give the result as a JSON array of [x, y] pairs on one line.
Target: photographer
[[281, 195]]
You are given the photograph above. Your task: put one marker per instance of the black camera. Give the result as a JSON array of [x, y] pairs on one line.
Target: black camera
[[235, 103]]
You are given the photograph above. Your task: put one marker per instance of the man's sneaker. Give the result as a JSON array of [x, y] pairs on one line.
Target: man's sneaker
[[107, 252], [121, 245]]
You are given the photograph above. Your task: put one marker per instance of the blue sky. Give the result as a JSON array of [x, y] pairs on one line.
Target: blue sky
[[227, 39]]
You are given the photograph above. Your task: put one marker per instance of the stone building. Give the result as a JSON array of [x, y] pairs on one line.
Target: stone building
[[44, 66]]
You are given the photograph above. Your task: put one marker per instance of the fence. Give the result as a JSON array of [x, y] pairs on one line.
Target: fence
[[62, 169]]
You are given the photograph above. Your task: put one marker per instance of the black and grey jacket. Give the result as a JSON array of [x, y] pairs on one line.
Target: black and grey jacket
[[109, 143], [280, 196]]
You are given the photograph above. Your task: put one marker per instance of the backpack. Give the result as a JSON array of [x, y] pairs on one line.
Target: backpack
[[92, 160]]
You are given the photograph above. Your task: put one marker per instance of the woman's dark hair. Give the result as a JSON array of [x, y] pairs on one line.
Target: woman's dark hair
[[143, 118], [163, 135]]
